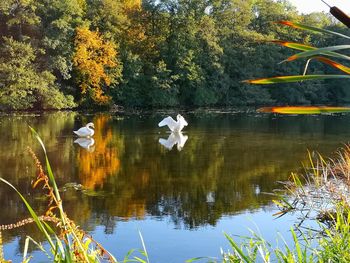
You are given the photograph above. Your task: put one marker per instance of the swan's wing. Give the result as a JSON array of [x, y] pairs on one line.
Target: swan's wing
[[169, 121], [83, 132], [183, 122], [168, 143]]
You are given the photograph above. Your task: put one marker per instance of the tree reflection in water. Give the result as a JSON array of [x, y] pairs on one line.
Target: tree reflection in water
[[223, 169], [95, 166]]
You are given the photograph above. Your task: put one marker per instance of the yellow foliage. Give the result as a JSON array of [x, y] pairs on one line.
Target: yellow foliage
[[93, 56], [132, 4], [96, 166], [82, 4], [134, 35]]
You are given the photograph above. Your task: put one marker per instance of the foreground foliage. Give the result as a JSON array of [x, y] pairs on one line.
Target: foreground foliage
[[322, 195], [311, 53]]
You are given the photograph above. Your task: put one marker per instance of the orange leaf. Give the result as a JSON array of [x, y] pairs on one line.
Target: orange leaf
[[334, 64]]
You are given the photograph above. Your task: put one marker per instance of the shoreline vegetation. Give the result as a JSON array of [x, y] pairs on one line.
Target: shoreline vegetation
[[90, 54], [320, 194]]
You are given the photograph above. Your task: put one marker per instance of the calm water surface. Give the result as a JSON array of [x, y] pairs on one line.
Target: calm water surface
[[181, 200]]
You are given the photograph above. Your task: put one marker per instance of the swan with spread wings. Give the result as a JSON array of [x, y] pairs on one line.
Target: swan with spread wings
[[174, 126]]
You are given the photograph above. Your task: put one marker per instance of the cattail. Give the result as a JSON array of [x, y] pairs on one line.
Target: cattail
[[339, 14]]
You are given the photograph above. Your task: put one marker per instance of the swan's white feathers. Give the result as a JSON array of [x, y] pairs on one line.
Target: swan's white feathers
[[182, 121], [174, 126], [85, 131], [168, 121]]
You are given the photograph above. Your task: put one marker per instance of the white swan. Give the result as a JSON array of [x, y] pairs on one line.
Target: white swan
[[174, 126], [86, 143], [85, 131], [174, 138]]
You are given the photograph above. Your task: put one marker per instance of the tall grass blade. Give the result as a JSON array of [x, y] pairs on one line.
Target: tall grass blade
[[302, 47], [333, 64], [38, 245], [199, 258], [311, 28], [49, 170], [25, 251], [238, 249], [33, 214], [321, 51], [295, 78], [297, 246], [294, 45], [144, 247], [140, 260], [127, 256], [60, 207]]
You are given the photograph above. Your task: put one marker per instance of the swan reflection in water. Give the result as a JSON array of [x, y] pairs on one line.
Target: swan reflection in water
[[174, 138], [86, 143]]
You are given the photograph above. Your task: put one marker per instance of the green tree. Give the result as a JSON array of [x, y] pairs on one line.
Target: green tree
[[22, 84], [18, 17], [59, 20], [163, 91]]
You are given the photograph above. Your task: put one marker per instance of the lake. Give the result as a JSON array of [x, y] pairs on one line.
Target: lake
[[182, 199]]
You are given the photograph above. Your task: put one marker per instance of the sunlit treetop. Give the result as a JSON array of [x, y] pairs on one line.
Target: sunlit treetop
[[132, 4], [93, 57]]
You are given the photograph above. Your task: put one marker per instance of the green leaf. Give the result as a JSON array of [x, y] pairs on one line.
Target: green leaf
[[32, 213], [297, 246], [127, 256], [195, 259], [238, 249], [144, 247], [295, 78], [294, 45], [140, 260], [311, 28], [334, 64], [321, 51]]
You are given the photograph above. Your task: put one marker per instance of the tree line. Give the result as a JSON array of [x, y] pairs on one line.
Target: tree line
[[58, 54]]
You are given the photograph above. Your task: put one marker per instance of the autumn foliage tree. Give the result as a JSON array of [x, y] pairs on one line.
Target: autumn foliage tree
[[156, 53], [96, 64]]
